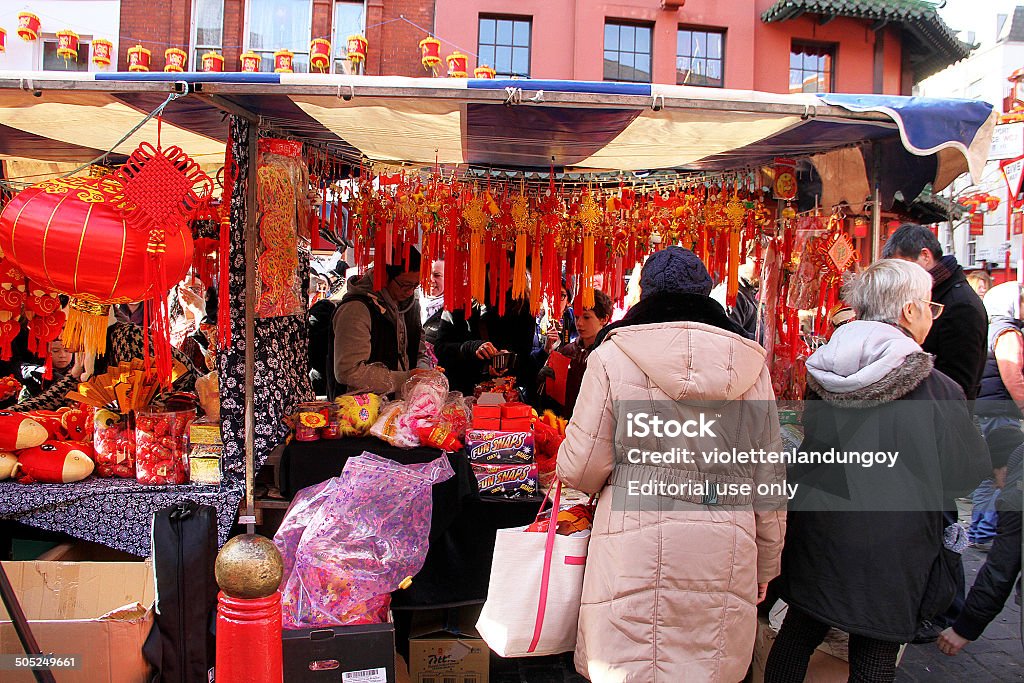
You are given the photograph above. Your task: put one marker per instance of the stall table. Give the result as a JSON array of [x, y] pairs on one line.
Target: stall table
[[115, 512]]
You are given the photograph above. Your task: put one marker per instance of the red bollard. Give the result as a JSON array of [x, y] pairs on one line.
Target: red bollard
[[249, 639]]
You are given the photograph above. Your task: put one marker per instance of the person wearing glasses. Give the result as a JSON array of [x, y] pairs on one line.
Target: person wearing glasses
[[378, 334], [866, 549]]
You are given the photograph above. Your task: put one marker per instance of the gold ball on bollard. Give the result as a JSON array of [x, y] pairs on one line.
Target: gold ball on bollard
[[249, 566]]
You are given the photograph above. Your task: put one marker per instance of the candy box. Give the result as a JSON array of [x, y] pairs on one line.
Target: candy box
[[516, 424], [515, 410], [496, 447], [205, 431], [487, 411], [204, 464], [506, 481]]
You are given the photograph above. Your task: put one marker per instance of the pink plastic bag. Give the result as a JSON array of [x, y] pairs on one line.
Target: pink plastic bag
[[349, 542]]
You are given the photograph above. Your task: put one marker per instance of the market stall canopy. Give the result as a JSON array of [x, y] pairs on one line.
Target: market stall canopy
[[503, 124]]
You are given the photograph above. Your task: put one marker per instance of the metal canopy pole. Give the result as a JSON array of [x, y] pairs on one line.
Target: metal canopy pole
[[876, 202], [250, 327]]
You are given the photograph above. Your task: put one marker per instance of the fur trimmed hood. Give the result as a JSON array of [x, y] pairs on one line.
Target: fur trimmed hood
[[867, 363]]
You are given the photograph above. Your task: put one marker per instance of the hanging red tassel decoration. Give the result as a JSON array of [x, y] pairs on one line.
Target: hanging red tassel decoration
[[12, 301]]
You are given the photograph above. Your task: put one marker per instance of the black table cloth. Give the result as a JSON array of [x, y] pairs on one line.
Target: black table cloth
[[463, 524]]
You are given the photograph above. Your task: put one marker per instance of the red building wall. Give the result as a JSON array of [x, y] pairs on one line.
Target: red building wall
[[393, 41]]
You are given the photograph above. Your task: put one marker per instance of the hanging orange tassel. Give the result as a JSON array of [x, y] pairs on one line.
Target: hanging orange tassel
[[519, 273], [733, 285], [587, 287]]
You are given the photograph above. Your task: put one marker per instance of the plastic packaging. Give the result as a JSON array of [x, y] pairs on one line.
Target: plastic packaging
[[161, 440], [114, 445], [357, 413], [351, 541], [209, 395]]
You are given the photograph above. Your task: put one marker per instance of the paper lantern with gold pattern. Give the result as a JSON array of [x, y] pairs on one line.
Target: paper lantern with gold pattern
[[175, 60], [320, 55], [139, 58], [67, 45], [430, 52], [484, 71], [250, 62], [283, 60], [102, 52], [357, 45], [3, 40], [28, 26], [213, 62], [457, 65]]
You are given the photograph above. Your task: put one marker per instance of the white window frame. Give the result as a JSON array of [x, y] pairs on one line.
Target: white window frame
[[338, 61], [195, 59], [83, 39], [245, 36]]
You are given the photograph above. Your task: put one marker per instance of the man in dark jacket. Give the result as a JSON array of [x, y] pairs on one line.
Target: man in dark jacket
[[1002, 568], [958, 338]]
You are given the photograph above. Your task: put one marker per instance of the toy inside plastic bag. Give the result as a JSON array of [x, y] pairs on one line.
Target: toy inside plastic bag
[[357, 413], [393, 426], [351, 541], [455, 414], [425, 394]]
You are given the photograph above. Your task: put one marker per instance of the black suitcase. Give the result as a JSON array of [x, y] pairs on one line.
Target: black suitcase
[[181, 646]]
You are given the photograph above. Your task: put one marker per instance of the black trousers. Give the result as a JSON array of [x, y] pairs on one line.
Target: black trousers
[[871, 660]]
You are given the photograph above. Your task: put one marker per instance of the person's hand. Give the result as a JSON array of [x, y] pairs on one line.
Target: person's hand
[[546, 372], [77, 367], [999, 477], [762, 592], [552, 338], [486, 351], [950, 642]]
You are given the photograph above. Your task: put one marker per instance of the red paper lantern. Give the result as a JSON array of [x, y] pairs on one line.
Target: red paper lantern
[[3, 40], [283, 61], [484, 71], [357, 45], [139, 58], [175, 60], [68, 235], [430, 51], [250, 62], [102, 52], [28, 26], [67, 45], [213, 62], [320, 54], [977, 224], [457, 65]]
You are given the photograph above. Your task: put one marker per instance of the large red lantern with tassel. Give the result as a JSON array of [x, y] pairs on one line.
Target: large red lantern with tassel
[[28, 26], [213, 62], [457, 65], [175, 60], [430, 51], [68, 235], [320, 55], [102, 52], [67, 45], [250, 62], [139, 58], [283, 61]]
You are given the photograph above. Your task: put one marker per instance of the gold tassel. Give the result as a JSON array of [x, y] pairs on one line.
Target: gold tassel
[[733, 285], [519, 271], [86, 327], [588, 271], [477, 266], [537, 278]]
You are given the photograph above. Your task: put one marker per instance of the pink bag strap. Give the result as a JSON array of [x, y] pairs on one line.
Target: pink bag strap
[[549, 549]]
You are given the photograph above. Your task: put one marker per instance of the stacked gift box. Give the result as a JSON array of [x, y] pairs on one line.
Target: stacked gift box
[[500, 447]]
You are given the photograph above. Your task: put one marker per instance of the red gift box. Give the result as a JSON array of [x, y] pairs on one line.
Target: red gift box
[[487, 411], [515, 410], [491, 423], [516, 424]]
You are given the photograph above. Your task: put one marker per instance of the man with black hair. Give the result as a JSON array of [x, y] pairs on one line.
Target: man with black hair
[[378, 334], [958, 339]]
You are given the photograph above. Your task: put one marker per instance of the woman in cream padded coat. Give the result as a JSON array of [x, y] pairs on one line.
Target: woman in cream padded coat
[[671, 584]]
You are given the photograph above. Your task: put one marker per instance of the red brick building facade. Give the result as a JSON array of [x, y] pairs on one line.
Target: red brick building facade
[[393, 29]]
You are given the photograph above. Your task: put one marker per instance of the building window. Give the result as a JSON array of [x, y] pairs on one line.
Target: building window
[[972, 252], [700, 56], [207, 31], [280, 25], [349, 19], [627, 52], [504, 45], [51, 62], [812, 67]]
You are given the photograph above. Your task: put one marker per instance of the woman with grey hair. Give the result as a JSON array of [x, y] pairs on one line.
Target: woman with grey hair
[[864, 548]]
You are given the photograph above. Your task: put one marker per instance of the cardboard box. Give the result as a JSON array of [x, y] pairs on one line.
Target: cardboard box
[[516, 410], [496, 447], [516, 424], [352, 654], [486, 423], [99, 612], [828, 664], [506, 481], [441, 652]]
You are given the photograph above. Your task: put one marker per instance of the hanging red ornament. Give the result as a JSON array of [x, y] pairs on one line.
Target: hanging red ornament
[[250, 62], [457, 64], [28, 26], [357, 46], [484, 71], [283, 60], [67, 45], [139, 58], [175, 60], [430, 51], [320, 55], [213, 62], [3, 41]]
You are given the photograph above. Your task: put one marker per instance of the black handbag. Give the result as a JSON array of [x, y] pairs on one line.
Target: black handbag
[[181, 646]]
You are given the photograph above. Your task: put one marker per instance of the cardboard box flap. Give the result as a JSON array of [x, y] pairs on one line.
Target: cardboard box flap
[[79, 590], [453, 623]]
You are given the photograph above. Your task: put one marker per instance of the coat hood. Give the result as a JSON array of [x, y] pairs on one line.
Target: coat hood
[[867, 361], [692, 361]]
